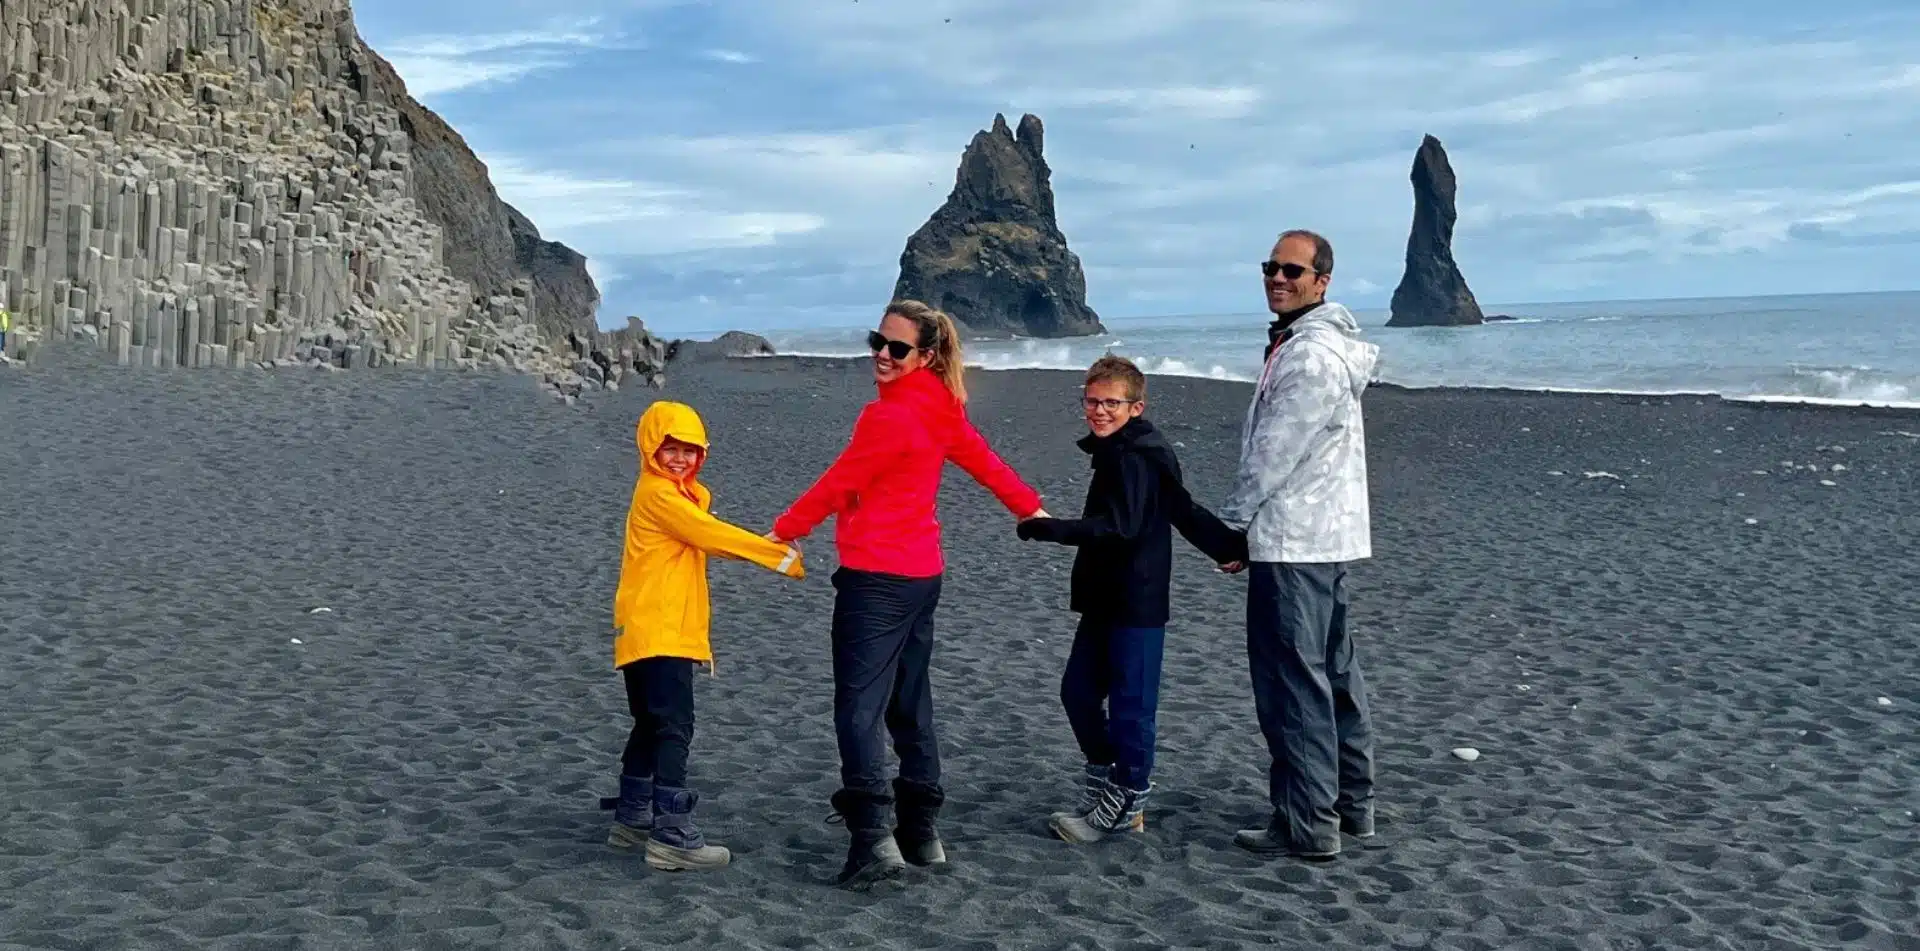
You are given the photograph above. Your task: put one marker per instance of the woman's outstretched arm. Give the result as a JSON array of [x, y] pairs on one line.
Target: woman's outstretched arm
[[971, 453], [867, 452]]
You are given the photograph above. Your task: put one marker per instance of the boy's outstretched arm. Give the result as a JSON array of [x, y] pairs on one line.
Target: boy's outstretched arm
[[1203, 529], [682, 519], [1120, 518]]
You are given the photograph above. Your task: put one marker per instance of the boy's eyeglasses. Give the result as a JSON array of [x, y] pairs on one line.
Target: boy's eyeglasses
[[897, 349], [1111, 406]]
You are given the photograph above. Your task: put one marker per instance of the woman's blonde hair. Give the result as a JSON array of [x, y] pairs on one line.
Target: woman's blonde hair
[[940, 339]]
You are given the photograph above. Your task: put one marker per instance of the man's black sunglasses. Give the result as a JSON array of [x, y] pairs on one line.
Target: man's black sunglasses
[[897, 349], [1290, 269]]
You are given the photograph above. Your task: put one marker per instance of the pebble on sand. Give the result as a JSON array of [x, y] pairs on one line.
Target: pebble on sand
[[1467, 753]]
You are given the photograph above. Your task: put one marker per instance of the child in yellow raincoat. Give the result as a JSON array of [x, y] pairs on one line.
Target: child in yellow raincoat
[[660, 618]]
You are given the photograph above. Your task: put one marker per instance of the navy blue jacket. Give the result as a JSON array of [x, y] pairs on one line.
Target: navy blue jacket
[[1124, 568]]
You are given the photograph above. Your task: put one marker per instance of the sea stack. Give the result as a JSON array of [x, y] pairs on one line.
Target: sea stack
[[1432, 292], [993, 256]]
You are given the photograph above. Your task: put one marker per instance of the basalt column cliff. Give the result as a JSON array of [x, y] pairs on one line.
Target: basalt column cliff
[[231, 182]]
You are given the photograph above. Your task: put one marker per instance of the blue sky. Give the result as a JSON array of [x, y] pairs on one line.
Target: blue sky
[[760, 164]]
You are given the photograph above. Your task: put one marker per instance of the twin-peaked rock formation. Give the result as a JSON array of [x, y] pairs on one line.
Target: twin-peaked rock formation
[[993, 256]]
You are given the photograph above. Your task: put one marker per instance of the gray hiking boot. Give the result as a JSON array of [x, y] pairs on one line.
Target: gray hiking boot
[[1272, 840], [1093, 781], [1119, 810], [632, 813], [916, 833], [676, 844], [872, 854]]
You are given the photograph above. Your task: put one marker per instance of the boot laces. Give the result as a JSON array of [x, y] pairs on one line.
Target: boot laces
[[1112, 805]]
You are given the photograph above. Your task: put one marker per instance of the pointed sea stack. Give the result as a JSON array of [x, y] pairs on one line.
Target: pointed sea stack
[[993, 256], [1432, 292]]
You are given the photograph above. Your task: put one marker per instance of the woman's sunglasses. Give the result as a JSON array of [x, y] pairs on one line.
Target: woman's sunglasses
[[897, 349], [1290, 269]]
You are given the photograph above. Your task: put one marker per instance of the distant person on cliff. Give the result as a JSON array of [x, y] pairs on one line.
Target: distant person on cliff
[[660, 616], [1301, 496], [883, 487], [6, 324], [1122, 570]]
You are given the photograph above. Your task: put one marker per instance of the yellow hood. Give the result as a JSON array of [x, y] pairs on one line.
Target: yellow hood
[[661, 607], [664, 419]]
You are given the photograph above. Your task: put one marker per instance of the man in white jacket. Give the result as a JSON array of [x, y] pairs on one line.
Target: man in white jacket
[[1301, 497]]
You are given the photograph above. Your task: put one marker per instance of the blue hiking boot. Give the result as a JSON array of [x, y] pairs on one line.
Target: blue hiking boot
[[676, 844]]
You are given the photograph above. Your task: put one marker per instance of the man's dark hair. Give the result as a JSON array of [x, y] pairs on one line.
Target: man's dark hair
[[1322, 249]]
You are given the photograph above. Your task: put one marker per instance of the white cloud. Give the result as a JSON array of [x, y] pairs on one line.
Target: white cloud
[[428, 77], [434, 65], [610, 216], [604, 274], [1203, 102], [1707, 145], [852, 161]]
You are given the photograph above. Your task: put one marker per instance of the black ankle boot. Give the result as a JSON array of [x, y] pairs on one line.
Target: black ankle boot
[[917, 833], [872, 854]]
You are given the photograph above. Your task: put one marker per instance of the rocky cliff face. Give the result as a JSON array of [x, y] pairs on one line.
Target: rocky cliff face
[[230, 182], [489, 244], [993, 256], [1432, 292]]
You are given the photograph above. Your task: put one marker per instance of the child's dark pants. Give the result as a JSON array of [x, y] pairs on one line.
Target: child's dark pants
[[660, 697], [1111, 690]]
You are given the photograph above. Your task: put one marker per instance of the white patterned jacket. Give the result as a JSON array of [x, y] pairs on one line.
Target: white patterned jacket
[[1301, 492]]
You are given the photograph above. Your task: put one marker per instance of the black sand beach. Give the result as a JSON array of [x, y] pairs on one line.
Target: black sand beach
[[1671, 672]]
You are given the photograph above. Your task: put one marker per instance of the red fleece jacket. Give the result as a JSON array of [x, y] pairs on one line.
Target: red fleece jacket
[[884, 484]]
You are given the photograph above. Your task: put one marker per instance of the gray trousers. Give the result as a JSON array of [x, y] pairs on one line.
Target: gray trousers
[[1311, 700]]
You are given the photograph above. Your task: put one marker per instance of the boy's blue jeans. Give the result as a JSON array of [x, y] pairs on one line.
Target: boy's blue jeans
[[1111, 690]]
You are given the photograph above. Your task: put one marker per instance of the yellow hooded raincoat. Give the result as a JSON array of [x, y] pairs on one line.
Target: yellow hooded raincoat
[[661, 609]]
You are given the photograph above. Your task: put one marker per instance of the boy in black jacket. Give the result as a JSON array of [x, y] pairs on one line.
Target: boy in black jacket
[[1121, 576]]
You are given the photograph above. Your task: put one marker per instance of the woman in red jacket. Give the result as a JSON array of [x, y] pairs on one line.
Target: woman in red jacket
[[883, 487]]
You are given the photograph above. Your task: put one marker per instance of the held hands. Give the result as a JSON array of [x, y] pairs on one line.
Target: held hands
[[1232, 567], [795, 557], [1040, 525]]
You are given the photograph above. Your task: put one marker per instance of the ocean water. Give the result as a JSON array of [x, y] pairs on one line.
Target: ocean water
[[1848, 348]]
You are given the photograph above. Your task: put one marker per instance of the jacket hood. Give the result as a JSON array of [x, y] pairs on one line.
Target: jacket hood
[[1332, 326], [664, 419], [1140, 436]]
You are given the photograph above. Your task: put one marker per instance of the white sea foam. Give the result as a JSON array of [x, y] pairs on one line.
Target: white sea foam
[[1841, 350]]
